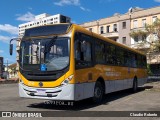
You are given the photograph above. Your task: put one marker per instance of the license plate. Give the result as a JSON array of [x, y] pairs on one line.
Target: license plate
[[40, 91]]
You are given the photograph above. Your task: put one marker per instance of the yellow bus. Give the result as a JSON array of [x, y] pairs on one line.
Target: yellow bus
[[68, 62]]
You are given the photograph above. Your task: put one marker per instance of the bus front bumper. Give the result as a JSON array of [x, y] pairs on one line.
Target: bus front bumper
[[65, 92]]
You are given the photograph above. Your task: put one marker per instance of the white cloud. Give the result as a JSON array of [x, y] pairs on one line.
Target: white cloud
[[5, 39], [71, 2], [157, 0], [67, 2], [1, 51], [9, 28], [85, 9], [26, 17]]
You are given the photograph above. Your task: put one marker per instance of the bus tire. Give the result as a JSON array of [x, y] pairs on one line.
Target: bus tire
[[135, 85], [98, 92]]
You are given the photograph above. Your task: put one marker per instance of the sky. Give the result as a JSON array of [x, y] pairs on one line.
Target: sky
[[15, 12]]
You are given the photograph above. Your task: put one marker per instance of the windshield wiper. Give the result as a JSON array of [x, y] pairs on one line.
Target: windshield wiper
[[48, 46]]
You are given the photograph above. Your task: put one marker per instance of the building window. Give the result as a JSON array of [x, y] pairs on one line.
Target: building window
[[154, 19], [52, 19], [90, 29], [101, 30], [108, 29], [44, 20], [124, 25], [144, 37], [124, 40], [135, 24], [143, 22], [37, 23], [115, 27], [136, 39], [68, 21]]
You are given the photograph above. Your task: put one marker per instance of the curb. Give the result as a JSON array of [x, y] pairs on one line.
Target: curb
[[8, 81]]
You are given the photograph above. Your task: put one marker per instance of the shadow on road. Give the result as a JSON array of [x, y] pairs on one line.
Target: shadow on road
[[86, 104]]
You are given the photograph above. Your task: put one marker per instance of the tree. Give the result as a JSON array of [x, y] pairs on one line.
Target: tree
[[150, 44], [153, 37]]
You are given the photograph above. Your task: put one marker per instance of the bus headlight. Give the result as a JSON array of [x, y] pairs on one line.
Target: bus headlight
[[67, 80]]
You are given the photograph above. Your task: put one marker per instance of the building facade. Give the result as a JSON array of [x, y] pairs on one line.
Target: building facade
[[12, 71], [119, 26], [43, 19], [140, 18]]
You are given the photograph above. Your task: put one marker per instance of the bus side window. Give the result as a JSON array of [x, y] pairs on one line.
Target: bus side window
[[120, 56], [133, 60], [136, 61], [86, 50], [78, 50], [108, 54], [139, 61], [126, 59], [113, 59], [144, 62], [100, 52], [82, 48]]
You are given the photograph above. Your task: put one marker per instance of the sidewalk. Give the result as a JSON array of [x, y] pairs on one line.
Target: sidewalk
[[4, 81], [154, 83]]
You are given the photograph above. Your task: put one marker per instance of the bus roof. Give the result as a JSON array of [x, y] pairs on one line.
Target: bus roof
[[77, 27]]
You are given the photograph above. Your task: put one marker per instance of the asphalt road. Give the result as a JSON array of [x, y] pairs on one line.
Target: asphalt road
[[146, 99]]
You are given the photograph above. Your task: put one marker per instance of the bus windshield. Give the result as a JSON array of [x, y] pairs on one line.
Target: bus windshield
[[44, 54]]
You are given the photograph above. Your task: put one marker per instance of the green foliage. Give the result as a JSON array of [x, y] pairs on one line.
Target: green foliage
[[151, 31], [138, 33], [149, 70]]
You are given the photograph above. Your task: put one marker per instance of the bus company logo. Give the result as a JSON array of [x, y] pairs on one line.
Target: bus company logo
[[6, 114], [40, 84]]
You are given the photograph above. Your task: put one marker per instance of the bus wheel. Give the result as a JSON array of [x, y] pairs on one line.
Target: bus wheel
[[98, 92], [135, 85]]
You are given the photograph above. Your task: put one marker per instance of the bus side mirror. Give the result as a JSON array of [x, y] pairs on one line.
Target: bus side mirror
[[11, 49]]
